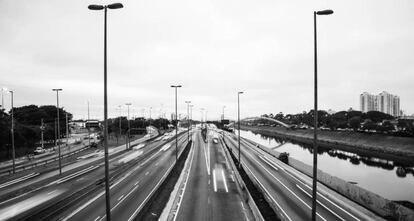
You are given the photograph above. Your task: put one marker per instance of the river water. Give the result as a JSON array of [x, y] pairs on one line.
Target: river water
[[386, 178]]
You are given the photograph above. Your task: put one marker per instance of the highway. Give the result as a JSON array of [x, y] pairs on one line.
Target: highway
[[38, 176], [210, 190], [89, 171], [291, 195], [130, 192]]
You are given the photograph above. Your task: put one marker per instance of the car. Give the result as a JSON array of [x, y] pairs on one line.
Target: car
[[93, 144], [39, 150]]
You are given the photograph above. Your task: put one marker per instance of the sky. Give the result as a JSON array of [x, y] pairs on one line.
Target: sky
[[213, 48]]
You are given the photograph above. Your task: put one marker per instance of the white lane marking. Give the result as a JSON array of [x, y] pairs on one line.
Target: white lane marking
[[103, 192], [51, 192], [269, 163], [273, 163], [136, 183], [277, 204], [73, 175], [185, 183], [97, 218], [146, 173], [320, 203], [146, 198], [337, 206], [120, 197], [214, 180], [207, 162], [224, 180], [156, 164], [28, 176], [294, 194]]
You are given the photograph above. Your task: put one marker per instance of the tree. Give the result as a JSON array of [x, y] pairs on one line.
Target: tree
[[378, 117], [354, 122]]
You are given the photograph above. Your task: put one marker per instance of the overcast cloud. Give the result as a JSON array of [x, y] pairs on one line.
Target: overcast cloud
[[213, 48]]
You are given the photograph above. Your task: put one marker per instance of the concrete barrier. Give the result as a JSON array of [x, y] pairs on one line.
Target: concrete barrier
[[243, 191], [384, 207]]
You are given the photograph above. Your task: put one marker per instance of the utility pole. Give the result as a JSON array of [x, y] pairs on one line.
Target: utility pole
[[89, 131], [58, 127], [12, 131], [238, 115], [128, 144], [107, 189], [120, 125], [55, 135], [67, 131], [176, 122], [42, 128], [188, 119]]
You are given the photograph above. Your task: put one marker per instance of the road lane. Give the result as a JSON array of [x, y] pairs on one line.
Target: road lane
[[291, 194], [130, 192], [210, 194]]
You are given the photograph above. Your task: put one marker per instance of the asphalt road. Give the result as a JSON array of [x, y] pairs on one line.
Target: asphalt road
[[36, 177], [91, 172], [210, 191], [291, 195], [130, 192]]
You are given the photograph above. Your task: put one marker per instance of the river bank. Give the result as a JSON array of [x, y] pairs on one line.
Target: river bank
[[388, 147]]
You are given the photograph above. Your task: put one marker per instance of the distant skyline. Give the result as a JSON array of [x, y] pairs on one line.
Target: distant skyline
[[212, 48]]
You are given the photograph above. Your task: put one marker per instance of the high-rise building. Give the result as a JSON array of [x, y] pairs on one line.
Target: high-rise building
[[383, 102]]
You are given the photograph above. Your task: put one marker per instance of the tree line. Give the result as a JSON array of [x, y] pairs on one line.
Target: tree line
[[371, 121], [27, 128]]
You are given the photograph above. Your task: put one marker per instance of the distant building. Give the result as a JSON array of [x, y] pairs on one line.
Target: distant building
[[383, 102]]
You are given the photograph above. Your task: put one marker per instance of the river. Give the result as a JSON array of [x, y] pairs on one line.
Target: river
[[389, 179]]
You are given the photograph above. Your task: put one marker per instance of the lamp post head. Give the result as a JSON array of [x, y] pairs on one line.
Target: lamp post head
[[57, 89], [96, 7], [324, 12], [115, 6], [240, 92], [175, 86]]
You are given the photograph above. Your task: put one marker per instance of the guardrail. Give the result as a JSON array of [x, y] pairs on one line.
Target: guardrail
[[9, 171]]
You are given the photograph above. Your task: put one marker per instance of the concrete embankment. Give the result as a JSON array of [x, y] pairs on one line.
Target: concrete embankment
[[389, 147]]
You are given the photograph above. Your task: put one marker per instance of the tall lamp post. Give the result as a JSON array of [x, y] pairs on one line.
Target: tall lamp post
[[223, 112], [191, 118], [315, 115], [128, 144], [58, 127], [176, 122], [12, 131], [188, 119], [238, 116], [107, 195], [120, 124]]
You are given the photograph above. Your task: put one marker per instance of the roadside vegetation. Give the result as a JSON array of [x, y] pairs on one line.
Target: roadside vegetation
[[370, 122]]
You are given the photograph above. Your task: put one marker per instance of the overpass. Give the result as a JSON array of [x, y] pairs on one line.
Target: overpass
[[288, 126]]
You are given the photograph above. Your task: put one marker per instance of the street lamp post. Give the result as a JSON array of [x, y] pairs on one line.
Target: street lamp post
[[238, 116], [89, 131], [188, 119], [128, 144], [223, 112], [12, 131], [315, 115], [176, 122], [107, 195], [191, 118], [120, 124], [58, 127]]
